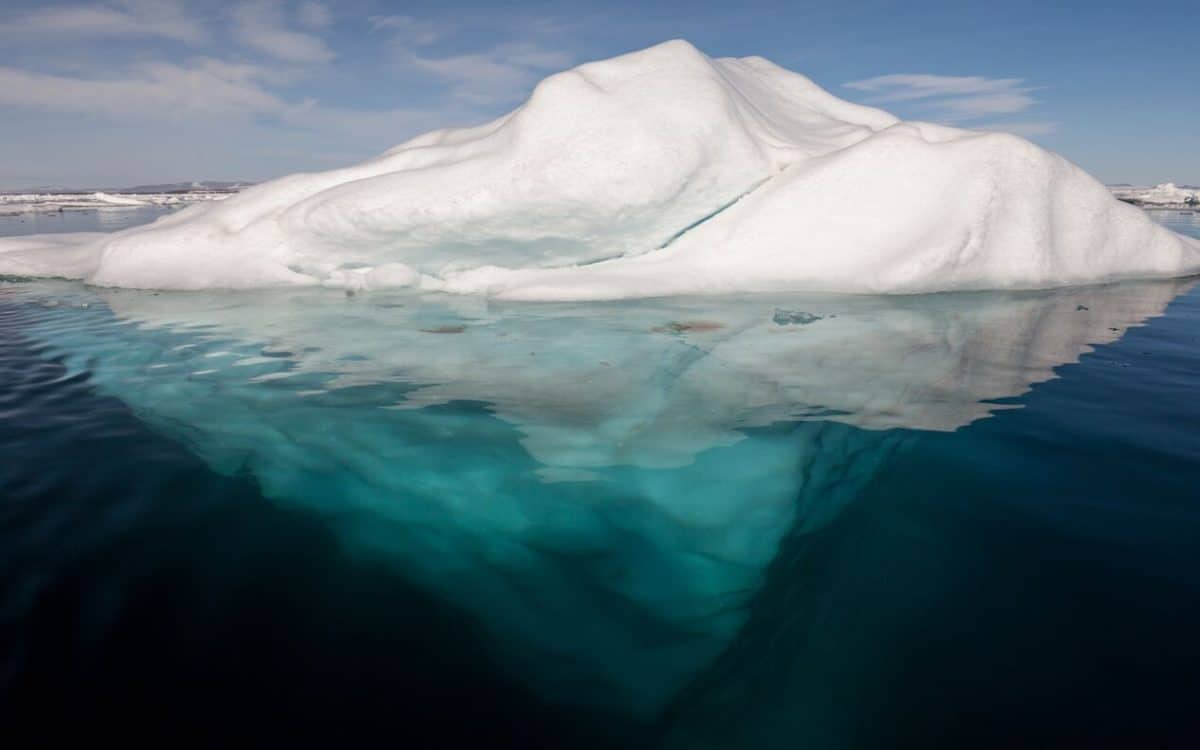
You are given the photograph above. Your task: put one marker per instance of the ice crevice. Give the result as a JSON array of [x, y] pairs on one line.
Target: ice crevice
[[708, 217]]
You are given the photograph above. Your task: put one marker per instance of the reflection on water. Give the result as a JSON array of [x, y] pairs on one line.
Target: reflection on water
[[79, 220], [1183, 221], [605, 485]]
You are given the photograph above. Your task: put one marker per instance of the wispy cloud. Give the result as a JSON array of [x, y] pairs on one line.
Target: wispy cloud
[[972, 107], [206, 88], [262, 26], [496, 73], [238, 88], [501, 73], [951, 99], [903, 87], [167, 19], [314, 15], [409, 31], [234, 74]]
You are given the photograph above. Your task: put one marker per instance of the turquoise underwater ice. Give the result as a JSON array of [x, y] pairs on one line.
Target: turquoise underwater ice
[[602, 486]]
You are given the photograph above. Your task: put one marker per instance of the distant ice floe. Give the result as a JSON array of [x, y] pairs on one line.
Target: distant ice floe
[[1165, 195], [660, 172], [22, 203]]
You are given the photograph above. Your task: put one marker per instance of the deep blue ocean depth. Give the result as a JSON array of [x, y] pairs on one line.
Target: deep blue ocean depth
[[961, 520]]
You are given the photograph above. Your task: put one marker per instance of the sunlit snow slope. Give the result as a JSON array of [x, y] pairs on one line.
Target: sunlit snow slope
[[657, 172]]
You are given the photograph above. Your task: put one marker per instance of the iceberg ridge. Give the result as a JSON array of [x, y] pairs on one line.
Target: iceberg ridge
[[659, 172]]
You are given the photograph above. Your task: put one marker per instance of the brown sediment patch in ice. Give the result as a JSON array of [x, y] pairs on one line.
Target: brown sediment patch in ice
[[686, 326]]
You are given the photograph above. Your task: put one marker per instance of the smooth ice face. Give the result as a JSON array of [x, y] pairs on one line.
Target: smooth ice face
[[654, 173], [602, 485]]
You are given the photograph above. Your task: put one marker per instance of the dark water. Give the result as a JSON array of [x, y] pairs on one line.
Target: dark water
[[799, 522]]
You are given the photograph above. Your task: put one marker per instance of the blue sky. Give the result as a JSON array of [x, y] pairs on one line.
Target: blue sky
[[132, 91]]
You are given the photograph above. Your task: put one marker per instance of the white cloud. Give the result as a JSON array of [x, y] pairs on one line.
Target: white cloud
[[901, 87], [166, 19], [255, 102], [314, 15], [499, 74], [260, 25], [408, 31], [972, 107], [490, 76], [212, 91], [206, 88], [950, 98]]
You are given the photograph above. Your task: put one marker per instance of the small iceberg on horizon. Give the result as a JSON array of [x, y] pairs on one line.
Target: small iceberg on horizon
[[660, 172]]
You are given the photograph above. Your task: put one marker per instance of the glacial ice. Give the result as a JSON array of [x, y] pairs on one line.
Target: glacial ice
[[661, 172], [602, 485]]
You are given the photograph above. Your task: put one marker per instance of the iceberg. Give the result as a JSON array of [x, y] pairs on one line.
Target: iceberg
[[660, 172]]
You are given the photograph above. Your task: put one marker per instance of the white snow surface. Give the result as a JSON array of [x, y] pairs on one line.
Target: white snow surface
[[658, 172]]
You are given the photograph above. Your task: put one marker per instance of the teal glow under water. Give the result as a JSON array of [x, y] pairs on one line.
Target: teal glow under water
[[802, 520]]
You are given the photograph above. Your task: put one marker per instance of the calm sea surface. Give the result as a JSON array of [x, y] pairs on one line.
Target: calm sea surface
[[958, 520]]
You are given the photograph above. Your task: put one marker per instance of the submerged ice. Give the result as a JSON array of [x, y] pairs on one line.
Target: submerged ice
[[602, 485], [655, 173]]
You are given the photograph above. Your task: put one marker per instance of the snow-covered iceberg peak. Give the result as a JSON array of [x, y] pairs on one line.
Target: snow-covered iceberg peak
[[658, 172]]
